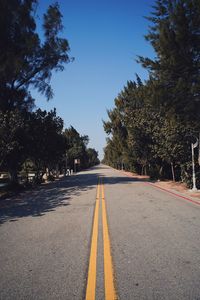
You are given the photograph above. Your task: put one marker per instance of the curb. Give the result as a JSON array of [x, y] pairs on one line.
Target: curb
[[163, 189]]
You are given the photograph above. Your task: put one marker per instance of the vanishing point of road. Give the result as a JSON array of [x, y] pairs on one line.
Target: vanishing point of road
[[99, 235]]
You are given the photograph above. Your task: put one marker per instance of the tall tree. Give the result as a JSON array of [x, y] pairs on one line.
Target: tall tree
[[46, 145], [175, 37], [75, 147], [92, 156], [24, 60], [158, 115], [13, 133]]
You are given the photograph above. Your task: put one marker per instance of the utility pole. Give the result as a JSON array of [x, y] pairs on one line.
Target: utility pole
[[194, 189]]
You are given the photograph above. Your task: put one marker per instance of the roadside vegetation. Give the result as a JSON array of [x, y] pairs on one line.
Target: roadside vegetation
[[33, 141], [153, 123]]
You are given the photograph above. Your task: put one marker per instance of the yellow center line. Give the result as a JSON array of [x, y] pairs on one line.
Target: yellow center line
[[91, 283], [110, 292]]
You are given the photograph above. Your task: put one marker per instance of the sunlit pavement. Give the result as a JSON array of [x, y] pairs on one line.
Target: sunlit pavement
[[46, 239]]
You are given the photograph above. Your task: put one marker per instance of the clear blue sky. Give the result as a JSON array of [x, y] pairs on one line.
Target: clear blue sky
[[105, 37]]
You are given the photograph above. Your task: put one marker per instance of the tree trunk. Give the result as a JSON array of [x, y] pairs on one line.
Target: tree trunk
[[38, 177], [145, 170], [26, 171], [160, 171], [142, 170], [57, 171], [13, 177], [172, 169], [46, 172]]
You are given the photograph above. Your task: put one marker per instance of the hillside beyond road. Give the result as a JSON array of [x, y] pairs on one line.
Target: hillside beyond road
[[137, 241]]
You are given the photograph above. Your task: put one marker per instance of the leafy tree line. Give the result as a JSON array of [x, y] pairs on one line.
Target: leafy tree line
[[33, 139], [38, 144], [154, 122]]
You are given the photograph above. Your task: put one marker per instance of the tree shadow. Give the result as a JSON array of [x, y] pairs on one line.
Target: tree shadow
[[48, 197], [123, 180]]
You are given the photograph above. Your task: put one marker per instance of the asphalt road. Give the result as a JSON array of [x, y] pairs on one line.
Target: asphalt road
[[45, 240]]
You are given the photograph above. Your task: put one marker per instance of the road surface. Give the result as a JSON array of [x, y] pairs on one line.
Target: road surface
[[99, 233]]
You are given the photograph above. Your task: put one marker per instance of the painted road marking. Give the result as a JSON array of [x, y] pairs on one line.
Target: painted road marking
[[91, 283], [162, 189], [110, 292], [172, 193]]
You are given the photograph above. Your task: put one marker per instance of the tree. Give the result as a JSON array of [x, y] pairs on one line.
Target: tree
[[158, 115], [128, 100], [46, 145], [174, 35], [75, 147], [26, 61], [13, 132], [92, 155]]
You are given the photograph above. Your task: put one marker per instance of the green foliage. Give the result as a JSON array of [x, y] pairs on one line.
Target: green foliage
[[46, 143], [32, 141], [92, 157], [175, 38], [13, 137], [150, 124], [75, 147], [26, 61]]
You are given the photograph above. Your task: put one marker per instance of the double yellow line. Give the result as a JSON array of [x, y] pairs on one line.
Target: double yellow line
[[110, 292]]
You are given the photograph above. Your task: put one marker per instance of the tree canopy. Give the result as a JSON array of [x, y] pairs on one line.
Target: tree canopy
[[151, 121], [32, 139], [25, 60]]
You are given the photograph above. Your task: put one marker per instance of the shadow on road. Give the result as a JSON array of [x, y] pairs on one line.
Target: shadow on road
[[48, 197]]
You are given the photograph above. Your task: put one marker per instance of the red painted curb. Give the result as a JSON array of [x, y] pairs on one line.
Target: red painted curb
[[165, 190], [172, 193]]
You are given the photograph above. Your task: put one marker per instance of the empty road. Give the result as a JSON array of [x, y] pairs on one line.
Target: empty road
[[99, 233]]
